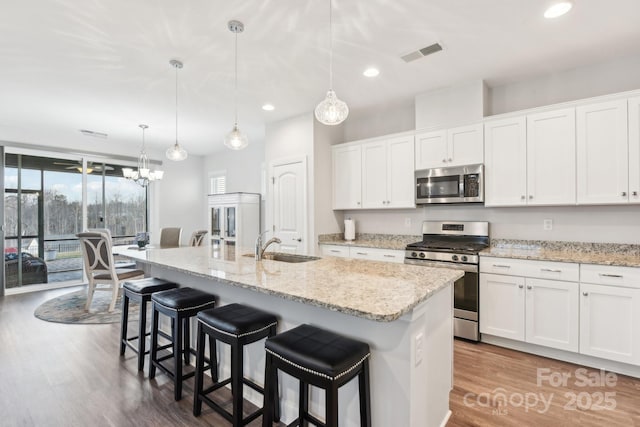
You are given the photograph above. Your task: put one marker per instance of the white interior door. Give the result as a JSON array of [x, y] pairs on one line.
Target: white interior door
[[289, 206]]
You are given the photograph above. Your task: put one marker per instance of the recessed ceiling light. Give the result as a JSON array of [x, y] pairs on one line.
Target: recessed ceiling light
[[558, 9], [268, 107], [371, 72]]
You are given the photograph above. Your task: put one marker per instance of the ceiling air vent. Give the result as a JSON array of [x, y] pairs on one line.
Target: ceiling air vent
[[94, 134], [421, 53]]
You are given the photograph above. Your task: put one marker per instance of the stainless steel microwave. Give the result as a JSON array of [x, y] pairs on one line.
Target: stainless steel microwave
[[462, 184]]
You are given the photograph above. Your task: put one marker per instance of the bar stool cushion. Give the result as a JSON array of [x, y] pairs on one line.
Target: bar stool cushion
[[237, 319], [148, 285], [182, 299], [318, 351]]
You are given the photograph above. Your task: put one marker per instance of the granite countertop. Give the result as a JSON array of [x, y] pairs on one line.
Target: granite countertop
[[364, 240], [373, 290], [622, 255]]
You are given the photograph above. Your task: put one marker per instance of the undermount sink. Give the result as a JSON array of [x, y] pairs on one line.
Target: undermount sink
[[283, 257]]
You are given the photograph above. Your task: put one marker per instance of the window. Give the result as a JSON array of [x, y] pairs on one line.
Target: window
[[218, 183]]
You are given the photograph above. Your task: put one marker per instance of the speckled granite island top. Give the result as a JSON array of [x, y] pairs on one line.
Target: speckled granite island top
[[370, 289], [623, 255], [364, 240]]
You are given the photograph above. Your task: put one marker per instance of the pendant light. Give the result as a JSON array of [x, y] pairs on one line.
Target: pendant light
[[176, 152], [143, 175], [235, 139], [331, 111]]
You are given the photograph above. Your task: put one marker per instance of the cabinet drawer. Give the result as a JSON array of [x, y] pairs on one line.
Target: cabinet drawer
[[377, 254], [528, 268], [335, 250], [610, 275]]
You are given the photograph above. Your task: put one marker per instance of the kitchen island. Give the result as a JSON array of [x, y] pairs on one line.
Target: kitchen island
[[404, 312]]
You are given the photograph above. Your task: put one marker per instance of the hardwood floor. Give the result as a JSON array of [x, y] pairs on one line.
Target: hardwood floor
[[71, 375], [484, 371]]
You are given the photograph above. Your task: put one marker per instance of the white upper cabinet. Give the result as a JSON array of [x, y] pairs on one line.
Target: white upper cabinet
[[347, 176], [431, 150], [387, 173], [634, 150], [374, 175], [400, 174], [453, 147], [505, 158], [602, 153], [551, 154]]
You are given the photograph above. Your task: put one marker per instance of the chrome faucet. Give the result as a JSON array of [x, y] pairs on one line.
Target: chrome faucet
[[260, 248]]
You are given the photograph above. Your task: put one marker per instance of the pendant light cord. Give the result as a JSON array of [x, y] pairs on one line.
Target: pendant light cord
[[176, 104], [330, 48], [235, 90]]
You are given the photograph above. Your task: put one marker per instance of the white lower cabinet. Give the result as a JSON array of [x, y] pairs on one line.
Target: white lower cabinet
[[502, 306], [552, 313], [610, 314], [357, 252], [530, 309]]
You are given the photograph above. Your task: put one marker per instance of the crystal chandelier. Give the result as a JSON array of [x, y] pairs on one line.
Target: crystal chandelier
[[143, 175], [235, 139], [331, 110], [176, 152]]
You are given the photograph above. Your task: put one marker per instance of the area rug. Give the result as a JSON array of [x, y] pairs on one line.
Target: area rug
[[69, 308]]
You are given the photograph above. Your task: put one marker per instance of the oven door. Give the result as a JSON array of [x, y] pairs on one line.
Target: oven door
[[438, 189]]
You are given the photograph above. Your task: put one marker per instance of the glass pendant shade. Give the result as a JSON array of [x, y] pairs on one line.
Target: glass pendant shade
[[235, 139], [176, 153], [331, 111]]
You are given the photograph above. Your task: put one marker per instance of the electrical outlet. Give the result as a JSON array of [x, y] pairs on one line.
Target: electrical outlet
[[547, 224], [419, 348], [407, 222]]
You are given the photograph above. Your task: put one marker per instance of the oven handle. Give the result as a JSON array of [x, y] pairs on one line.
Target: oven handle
[[469, 268]]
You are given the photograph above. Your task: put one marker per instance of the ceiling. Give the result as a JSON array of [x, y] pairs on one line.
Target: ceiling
[[103, 65]]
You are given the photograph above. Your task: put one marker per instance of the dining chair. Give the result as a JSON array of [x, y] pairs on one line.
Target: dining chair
[[120, 261], [100, 266], [170, 237], [197, 238]]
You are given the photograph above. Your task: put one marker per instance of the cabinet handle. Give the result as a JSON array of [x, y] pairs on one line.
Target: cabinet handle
[[529, 287], [361, 253], [522, 197], [299, 239], [520, 286], [550, 270], [617, 276], [444, 160], [530, 197], [389, 256], [501, 266], [624, 194], [586, 294], [358, 203], [450, 160], [335, 251], [635, 193]]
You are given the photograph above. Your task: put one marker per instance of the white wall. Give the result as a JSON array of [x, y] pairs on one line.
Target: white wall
[[392, 117], [619, 75], [451, 106], [612, 224], [179, 200]]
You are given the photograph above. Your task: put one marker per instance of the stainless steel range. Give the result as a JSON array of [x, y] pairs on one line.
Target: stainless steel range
[[455, 245]]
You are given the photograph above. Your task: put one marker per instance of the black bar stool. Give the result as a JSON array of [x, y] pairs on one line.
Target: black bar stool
[[139, 291], [236, 325], [180, 305], [321, 358]]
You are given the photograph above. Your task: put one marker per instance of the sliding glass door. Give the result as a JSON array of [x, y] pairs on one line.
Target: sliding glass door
[[44, 211]]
